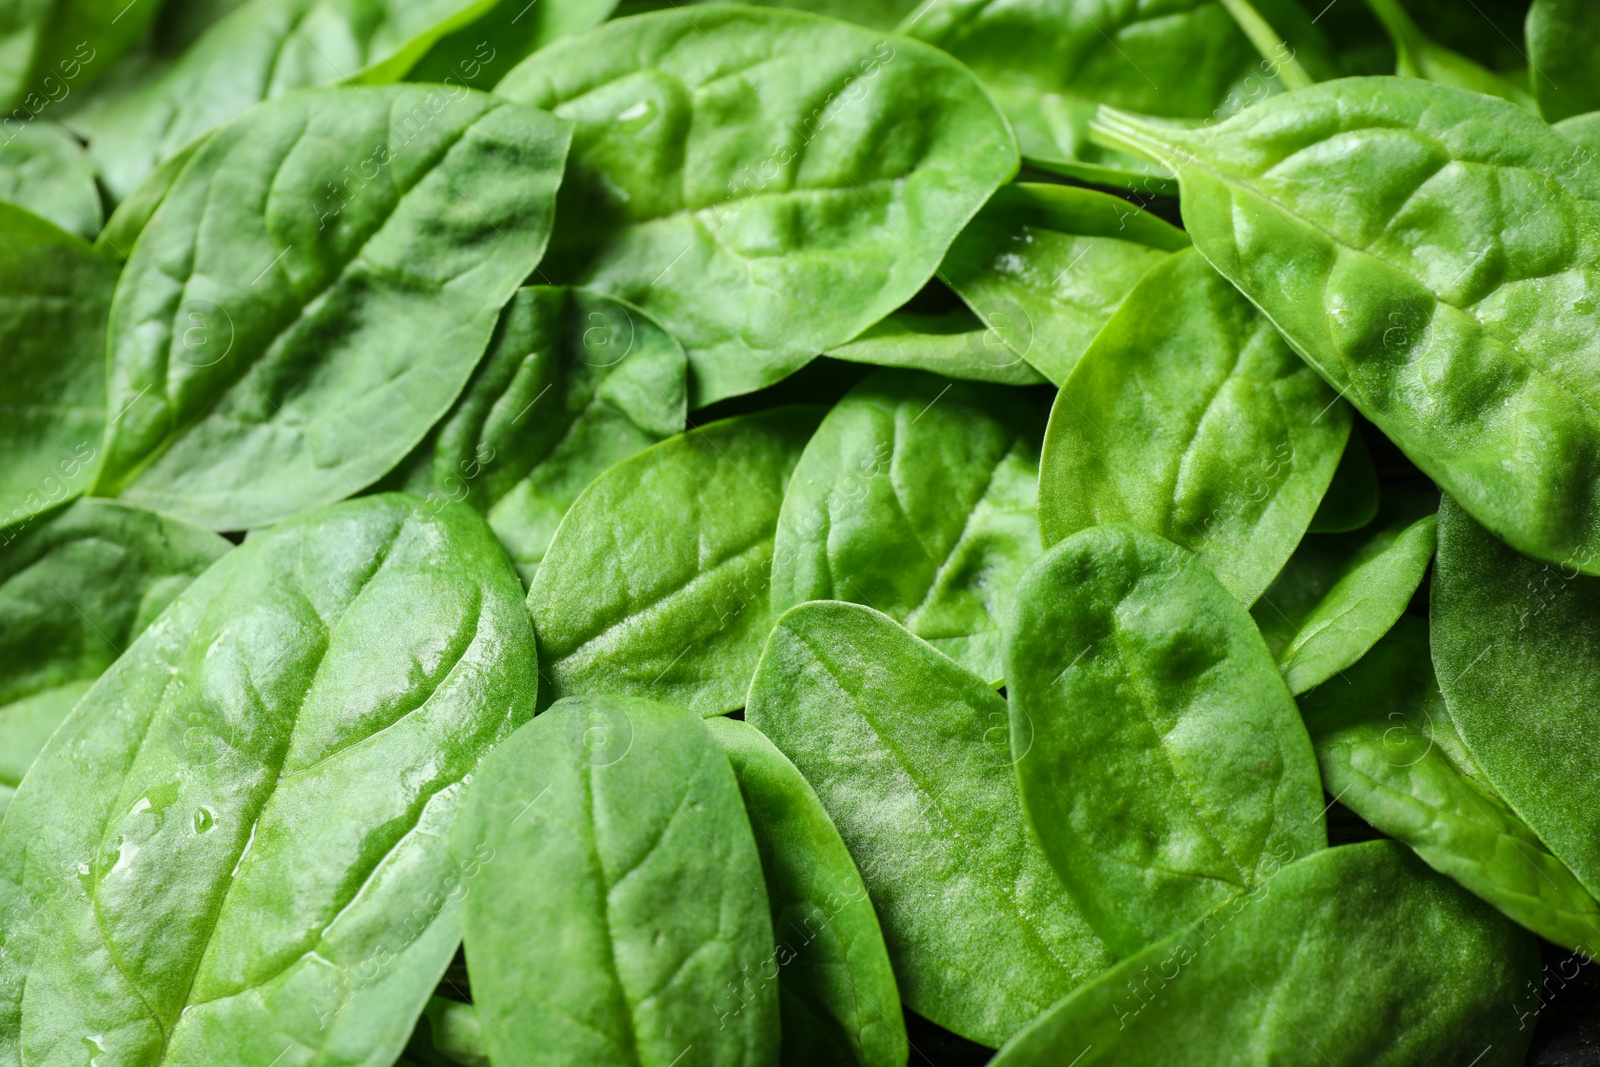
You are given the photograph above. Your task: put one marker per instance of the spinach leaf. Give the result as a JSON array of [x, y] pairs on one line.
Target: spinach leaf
[[187, 874], [656, 582], [50, 47], [615, 912], [836, 988], [479, 54], [133, 214], [1048, 63], [1583, 130], [1517, 646], [1424, 248], [1419, 57], [44, 169], [1563, 40], [1299, 972], [1351, 501], [1056, 260], [55, 293], [1126, 661], [1189, 416], [916, 497], [956, 344], [449, 1034], [766, 184], [76, 587], [261, 50], [284, 343], [908, 752], [1389, 751], [573, 383]]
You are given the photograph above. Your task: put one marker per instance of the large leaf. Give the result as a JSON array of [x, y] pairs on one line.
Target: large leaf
[[908, 752], [50, 48], [76, 587], [573, 383], [1563, 40], [1354, 955], [1052, 263], [277, 343], [44, 169], [263, 49], [836, 987], [1390, 752], [187, 875], [1517, 646], [916, 497], [765, 183], [1189, 416], [55, 294], [615, 912], [1432, 253], [657, 580], [1126, 662]]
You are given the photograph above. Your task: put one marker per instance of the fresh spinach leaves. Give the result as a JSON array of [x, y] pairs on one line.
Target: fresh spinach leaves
[[43, 168]]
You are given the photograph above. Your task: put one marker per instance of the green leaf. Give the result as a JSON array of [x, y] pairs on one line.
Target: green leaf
[[1583, 130], [1299, 974], [44, 169], [284, 343], [50, 48], [479, 54], [234, 849], [1425, 249], [1351, 501], [573, 383], [1049, 63], [1419, 57], [449, 1034], [615, 912], [1517, 646], [836, 987], [1563, 41], [878, 14], [1371, 589], [76, 587], [56, 294], [908, 753], [128, 221], [1047, 265], [263, 49], [1127, 662], [916, 497], [1390, 752], [955, 344], [1190, 417], [765, 183], [656, 582]]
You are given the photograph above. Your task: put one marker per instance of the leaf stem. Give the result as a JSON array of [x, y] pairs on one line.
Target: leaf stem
[[1269, 43]]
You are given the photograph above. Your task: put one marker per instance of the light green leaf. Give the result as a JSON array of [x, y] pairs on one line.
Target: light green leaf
[[43, 168], [955, 344]]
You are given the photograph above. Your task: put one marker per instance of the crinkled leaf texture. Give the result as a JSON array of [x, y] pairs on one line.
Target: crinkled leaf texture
[[1127, 662], [574, 382], [1390, 752], [278, 342], [765, 183], [1435, 254], [1517, 646], [657, 581], [152, 109], [187, 875], [76, 587], [614, 907], [55, 294], [916, 497], [44, 169], [908, 752], [1189, 416], [836, 986], [955, 344], [1044, 266], [1357, 954]]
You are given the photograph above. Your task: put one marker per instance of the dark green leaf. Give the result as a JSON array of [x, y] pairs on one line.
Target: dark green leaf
[[479, 54], [1563, 46], [1419, 57], [51, 48], [1351, 501]]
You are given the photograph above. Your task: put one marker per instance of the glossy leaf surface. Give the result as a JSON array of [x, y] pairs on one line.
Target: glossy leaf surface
[[1190, 417], [1047, 265], [44, 169], [766, 184], [274, 352], [657, 581], [1563, 40], [1390, 752], [836, 987], [186, 872], [916, 497], [1432, 253], [1126, 661], [1375, 936], [908, 752], [615, 913], [956, 344]]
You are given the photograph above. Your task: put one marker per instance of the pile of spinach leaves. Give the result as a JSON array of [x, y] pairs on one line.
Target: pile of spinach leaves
[[1049, 532]]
